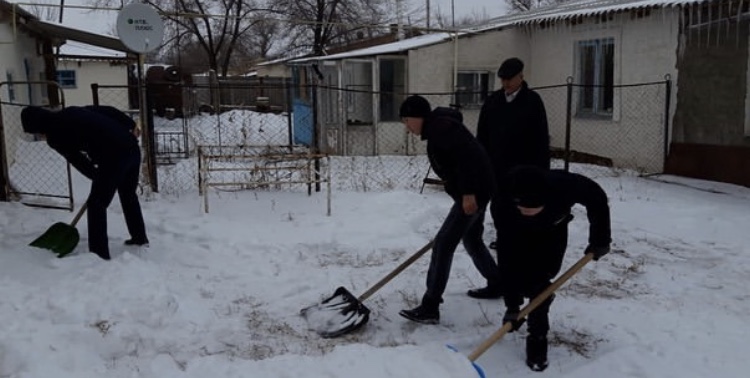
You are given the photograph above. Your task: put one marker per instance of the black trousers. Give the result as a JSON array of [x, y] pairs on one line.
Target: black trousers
[[458, 227], [119, 176], [528, 260]]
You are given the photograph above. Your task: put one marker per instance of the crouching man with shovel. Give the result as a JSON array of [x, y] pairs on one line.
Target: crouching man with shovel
[[101, 143], [538, 238], [462, 163]]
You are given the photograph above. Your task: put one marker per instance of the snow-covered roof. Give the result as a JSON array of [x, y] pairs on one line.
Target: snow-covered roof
[[579, 8], [78, 49], [387, 48]]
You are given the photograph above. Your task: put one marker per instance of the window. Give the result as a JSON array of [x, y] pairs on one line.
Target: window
[[11, 87], [392, 84], [472, 88], [596, 73], [66, 78]]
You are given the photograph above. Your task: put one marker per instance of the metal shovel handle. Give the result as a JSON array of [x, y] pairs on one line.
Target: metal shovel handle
[[396, 271], [79, 214], [497, 335]]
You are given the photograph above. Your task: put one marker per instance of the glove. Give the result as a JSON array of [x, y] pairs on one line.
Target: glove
[[511, 315], [598, 251]]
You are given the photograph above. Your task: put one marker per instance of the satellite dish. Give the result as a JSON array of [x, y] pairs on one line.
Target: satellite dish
[[140, 27]]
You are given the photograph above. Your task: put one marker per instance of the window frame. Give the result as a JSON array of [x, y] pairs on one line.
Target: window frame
[[392, 96], [478, 92], [64, 82], [597, 82]]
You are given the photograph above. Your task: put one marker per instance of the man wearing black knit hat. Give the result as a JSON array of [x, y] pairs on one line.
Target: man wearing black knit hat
[[101, 143], [461, 162], [537, 237]]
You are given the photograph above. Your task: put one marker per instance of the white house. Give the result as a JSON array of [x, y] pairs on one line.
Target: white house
[[598, 49], [80, 65], [28, 53]]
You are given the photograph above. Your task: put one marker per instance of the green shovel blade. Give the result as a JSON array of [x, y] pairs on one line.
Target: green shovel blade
[[60, 238]]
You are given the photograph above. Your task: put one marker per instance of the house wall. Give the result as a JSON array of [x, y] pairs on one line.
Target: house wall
[[645, 51], [273, 70], [89, 72], [18, 57], [711, 121]]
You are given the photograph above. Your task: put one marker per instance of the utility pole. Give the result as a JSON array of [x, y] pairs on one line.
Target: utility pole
[[428, 14]]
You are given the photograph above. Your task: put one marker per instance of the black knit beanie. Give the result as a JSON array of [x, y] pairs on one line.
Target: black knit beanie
[[36, 120], [528, 186], [415, 106]]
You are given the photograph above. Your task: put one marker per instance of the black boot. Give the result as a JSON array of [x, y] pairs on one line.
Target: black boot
[[136, 241], [536, 352], [425, 313], [488, 292]]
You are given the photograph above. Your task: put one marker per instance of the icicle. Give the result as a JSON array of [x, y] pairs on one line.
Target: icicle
[[739, 20], [689, 24], [709, 23], [718, 26]]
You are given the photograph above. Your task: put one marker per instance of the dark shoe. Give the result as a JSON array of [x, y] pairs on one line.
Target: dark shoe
[[422, 314], [103, 255], [536, 352], [135, 241], [485, 293]]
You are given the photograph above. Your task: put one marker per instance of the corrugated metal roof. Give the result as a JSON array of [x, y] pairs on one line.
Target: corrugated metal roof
[[580, 8], [388, 48], [555, 12]]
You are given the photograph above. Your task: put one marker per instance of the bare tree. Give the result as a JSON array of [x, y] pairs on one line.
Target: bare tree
[[217, 27], [516, 6], [316, 24]]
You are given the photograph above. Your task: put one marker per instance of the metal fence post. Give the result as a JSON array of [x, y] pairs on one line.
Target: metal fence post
[[315, 135], [568, 116], [667, 105], [95, 93]]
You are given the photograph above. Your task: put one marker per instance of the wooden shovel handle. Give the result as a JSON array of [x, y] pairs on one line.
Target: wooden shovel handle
[[396, 271], [531, 306], [79, 214]]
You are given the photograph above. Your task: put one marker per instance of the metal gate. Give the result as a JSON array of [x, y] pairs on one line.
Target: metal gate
[[32, 172]]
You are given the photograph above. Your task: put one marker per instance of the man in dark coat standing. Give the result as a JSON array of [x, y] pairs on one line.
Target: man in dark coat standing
[[513, 130], [461, 162], [101, 143], [537, 237]]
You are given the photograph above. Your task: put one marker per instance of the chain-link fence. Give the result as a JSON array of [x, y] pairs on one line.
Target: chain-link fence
[[621, 127], [371, 149], [32, 172]]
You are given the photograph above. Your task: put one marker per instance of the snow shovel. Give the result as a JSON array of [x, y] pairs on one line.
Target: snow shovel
[[60, 238], [528, 308], [342, 312]]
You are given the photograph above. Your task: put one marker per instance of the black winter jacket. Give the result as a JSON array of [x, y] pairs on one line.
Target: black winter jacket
[[457, 157], [563, 191], [92, 136], [514, 133]]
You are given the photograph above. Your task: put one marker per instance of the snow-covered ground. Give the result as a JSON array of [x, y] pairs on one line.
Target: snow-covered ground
[[219, 294]]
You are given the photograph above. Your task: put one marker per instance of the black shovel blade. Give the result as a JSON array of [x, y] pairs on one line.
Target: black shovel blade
[[60, 238], [337, 315]]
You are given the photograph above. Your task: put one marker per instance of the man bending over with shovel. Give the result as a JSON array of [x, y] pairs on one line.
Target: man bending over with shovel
[[538, 238], [461, 162], [101, 143]]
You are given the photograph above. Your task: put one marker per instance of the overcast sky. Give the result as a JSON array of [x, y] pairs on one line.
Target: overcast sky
[[493, 8]]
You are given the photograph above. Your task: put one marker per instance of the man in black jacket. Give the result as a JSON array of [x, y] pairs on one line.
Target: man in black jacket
[[461, 162], [100, 142], [537, 237], [513, 130]]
